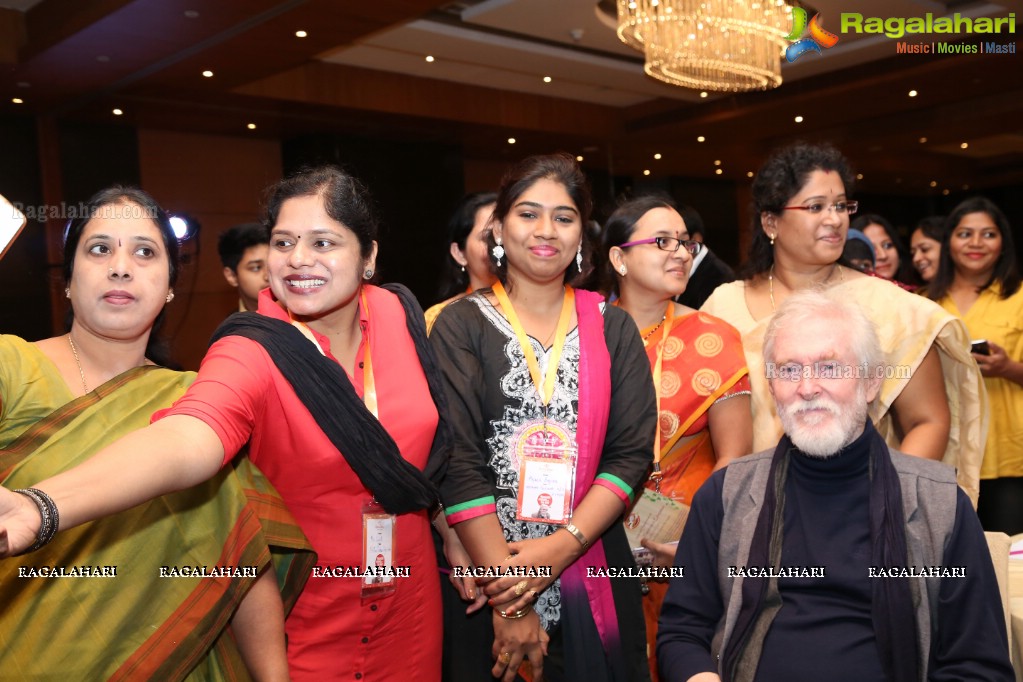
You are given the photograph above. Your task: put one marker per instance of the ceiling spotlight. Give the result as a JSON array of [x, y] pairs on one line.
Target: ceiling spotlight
[[799, 119], [718, 172], [717, 162], [703, 94], [251, 126], [749, 174], [17, 100], [912, 93], [546, 79], [511, 140], [923, 140], [657, 156], [934, 183], [701, 138], [579, 158], [945, 192], [646, 172], [301, 34], [207, 74], [859, 176], [964, 145], [117, 112], [429, 58]]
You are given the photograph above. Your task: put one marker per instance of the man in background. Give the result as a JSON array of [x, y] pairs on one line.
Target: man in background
[[708, 270], [243, 251]]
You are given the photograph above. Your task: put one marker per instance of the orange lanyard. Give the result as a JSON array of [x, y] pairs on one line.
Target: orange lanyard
[[669, 319], [369, 386], [544, 384]]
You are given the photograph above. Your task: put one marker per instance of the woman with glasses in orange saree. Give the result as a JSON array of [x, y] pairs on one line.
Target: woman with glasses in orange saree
[[697, 361]]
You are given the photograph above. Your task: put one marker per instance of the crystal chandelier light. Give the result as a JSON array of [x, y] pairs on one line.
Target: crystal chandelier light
[[723, 45]]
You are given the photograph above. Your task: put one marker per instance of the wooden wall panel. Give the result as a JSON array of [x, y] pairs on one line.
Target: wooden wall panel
[[220, 182]]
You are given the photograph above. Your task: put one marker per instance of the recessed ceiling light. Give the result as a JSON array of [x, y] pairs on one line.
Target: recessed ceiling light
[[301, 34], [646, 172], [546, 79], [964, 145], [717, 162], [859, 176], [701, 138], [251, 126], [429, 58], [923, 140], [579, 159], [749, 174], [945, 192], [117, 112], [912, 93], [511, 140], [657, 156], [207, 74], [718, 172], [17, 100], [799, 119], [703, 94], [934, 183]]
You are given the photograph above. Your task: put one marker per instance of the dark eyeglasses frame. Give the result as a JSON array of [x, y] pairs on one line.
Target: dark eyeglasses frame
[[692, 246]]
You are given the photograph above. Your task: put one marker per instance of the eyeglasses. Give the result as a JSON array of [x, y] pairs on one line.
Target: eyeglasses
[[818, 207], [668, 244]]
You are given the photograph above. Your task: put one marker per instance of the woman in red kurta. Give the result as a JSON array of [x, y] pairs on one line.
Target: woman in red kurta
[[361, 343]]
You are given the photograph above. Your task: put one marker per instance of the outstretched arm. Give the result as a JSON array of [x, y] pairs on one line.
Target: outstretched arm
[[172, 454]]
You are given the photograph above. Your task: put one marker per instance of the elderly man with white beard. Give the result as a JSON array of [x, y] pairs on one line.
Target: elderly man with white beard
[[831, 557]]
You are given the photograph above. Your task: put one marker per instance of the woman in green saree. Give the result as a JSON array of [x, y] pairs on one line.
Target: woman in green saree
[[118, 598]]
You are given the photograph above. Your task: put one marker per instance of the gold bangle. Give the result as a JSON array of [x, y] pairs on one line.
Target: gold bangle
[[577, 534], [510, 616]]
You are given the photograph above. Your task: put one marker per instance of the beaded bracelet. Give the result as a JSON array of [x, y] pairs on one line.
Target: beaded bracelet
[[48, 512]]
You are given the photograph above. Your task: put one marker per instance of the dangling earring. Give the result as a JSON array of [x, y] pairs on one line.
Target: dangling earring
[[498, 252], [579, 258], [772, 239], [368, 274], [463, 268], [170, 296], [67, 292]]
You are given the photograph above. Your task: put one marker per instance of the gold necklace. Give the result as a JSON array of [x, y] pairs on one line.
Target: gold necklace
[[770, 281], [81, 372]]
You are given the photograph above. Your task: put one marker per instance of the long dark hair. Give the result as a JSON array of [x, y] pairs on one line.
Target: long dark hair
[[156, 348], [456, 278], [781, 177], [618, 230], [1005, 272], [560, 168], [905, 272]]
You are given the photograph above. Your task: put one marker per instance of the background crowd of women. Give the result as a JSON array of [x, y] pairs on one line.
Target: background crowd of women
[[355, 429]]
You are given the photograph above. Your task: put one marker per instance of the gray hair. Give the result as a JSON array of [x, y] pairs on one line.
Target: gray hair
[[850, 322]]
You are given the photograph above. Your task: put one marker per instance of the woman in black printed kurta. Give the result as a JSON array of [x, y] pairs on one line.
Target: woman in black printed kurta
[[597, 412]]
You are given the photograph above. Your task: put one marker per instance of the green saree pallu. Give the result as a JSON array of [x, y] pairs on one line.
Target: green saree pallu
[[146, 594]]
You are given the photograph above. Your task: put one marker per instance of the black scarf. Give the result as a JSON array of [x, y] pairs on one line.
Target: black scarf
[[892, 610], [325, 390]]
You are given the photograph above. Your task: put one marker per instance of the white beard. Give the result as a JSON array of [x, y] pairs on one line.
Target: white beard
[[823, 435]]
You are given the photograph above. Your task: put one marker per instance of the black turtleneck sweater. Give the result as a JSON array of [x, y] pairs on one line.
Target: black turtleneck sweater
[[824, 628]]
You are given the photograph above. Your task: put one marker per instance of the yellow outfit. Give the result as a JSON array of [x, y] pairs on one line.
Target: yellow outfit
[[907, 326], [999, 320]]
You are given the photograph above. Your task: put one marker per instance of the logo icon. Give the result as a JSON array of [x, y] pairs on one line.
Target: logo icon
[[817, 39]]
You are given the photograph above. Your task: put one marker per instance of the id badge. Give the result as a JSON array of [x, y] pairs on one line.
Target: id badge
[[378, 550], [546, 463]]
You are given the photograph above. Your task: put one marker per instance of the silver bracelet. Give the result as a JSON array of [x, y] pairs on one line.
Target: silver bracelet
[[48, 512]]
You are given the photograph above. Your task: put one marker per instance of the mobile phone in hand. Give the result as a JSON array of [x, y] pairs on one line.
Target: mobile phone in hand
[[980, 347], [11, 222]]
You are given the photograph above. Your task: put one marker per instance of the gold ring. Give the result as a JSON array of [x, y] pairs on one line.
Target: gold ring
[[505, 657], [521, 587]]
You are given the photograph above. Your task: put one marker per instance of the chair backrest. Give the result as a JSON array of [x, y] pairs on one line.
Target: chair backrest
[[999, 544]]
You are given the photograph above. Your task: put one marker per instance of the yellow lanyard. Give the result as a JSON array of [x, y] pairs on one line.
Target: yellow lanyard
[[544, 384], [369, 386]]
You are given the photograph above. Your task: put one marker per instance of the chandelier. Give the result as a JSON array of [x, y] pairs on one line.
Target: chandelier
[[722, 45]]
